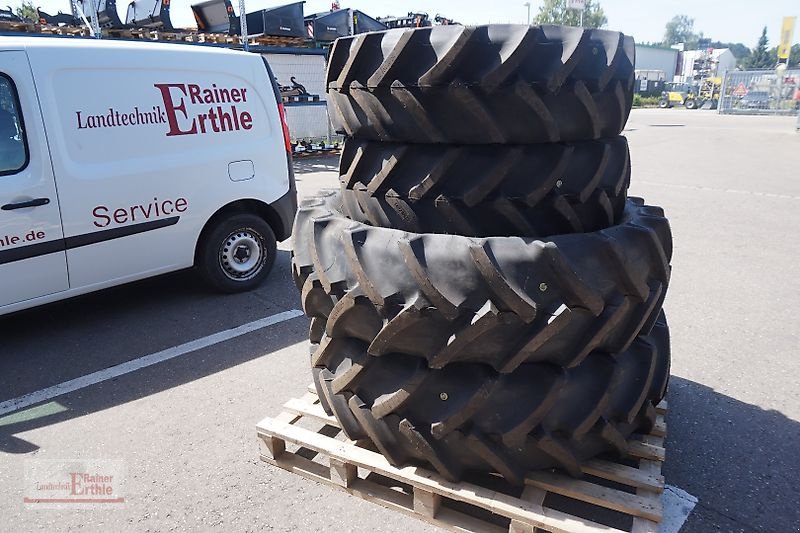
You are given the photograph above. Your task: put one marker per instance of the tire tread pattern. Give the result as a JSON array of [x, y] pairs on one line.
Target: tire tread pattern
[[501, 301], [467, 418], [531, 191], [482, 85]]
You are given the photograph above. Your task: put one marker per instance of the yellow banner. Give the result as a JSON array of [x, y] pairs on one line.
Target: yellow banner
[[787, 31]]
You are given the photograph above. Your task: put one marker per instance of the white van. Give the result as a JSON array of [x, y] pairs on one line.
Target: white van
[[125, 160]]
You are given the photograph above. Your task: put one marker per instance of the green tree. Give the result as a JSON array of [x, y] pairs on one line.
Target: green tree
[[680, 30], [739, 51], [794, 56], [759, 56], [556, 12], [27, 11]]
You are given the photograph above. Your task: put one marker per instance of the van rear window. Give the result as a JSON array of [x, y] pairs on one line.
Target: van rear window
[[13, 144]]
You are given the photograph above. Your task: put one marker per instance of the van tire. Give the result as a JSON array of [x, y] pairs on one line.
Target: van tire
[[466, 418], [482, 191], [219, 266]]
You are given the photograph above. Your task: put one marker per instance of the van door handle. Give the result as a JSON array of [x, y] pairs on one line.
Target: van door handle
[[29, 203]]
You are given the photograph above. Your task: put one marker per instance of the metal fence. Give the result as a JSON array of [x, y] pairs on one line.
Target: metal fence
[[760, 92]]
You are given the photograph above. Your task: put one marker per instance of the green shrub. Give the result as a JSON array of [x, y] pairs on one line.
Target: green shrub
[[645, 101]]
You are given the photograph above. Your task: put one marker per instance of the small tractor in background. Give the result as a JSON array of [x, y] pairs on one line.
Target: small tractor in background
[[691, 96]]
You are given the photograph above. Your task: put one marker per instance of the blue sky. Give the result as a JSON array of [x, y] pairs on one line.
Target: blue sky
[[724, 20]]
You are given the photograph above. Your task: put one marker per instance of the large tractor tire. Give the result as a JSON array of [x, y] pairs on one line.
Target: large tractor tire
[[506, 84], [502, 301], [467, 418], [483, 191]]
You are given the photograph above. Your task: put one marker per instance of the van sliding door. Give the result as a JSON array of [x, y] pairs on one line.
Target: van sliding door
[[32, 257]]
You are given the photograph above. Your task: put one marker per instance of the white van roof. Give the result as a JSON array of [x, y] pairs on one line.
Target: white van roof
[[78, 43]]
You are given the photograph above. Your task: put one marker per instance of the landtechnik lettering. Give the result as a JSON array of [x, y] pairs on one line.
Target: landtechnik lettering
[[187, 109]]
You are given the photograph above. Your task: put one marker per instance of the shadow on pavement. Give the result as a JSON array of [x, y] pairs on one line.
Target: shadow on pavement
[[46, 346], [739, 460]]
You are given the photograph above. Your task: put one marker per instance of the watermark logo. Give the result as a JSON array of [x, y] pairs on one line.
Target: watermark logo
[[73, 483]]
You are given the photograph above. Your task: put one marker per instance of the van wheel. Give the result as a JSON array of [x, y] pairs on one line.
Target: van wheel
[[237, 254]]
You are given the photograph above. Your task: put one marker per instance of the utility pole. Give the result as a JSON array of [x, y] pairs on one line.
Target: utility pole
[[528, 5], [243, 26], [98, 33]]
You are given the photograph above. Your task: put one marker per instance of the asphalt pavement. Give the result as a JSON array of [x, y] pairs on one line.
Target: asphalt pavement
[[185, 428]]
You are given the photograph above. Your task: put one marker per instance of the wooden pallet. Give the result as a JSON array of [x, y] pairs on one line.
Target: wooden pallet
[[613, 492], [73, 31], [24, 27], [181, 35], [151, 34], [277, 40]]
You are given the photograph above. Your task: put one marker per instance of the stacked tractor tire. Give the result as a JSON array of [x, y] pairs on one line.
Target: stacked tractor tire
[[484, 296]]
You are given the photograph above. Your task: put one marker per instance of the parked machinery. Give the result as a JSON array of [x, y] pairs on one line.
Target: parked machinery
[[690, 95], [150, 14], [8, 15], [60, 19], [411, 20], [281, 21], [107, 16], [416, 20], [216, 16], [327, 27]]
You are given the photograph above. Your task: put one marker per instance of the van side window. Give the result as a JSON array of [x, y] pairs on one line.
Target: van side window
[[13, 144]]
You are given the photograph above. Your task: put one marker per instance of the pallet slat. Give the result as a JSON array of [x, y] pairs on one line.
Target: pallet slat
[[533, 495], [645, 450], [425, 495], [313, 411], [627, 475], [642, 525], [660, 427], [599, 495]]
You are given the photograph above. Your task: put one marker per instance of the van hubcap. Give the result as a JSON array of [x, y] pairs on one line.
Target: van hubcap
[[242, 254]]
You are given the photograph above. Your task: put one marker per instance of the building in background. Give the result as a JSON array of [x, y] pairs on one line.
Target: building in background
[[652, 59], [706, 63]]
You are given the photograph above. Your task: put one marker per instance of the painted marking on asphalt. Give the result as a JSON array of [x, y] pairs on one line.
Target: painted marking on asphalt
[[677, 505], [15, 404], [716, 190]]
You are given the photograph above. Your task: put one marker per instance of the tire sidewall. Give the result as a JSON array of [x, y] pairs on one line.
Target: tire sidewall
[[208, 260]]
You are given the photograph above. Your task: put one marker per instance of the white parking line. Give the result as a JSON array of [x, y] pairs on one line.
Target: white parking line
[[718, 190], [15, 404]]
